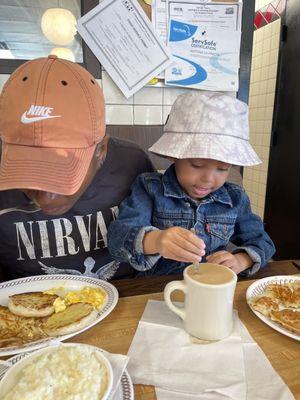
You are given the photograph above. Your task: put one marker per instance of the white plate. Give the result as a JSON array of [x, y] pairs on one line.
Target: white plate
[[124, 391], [45, 282], [11, 375], [258, 288]]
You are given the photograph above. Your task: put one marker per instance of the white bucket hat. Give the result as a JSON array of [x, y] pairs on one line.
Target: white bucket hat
[[207, 125]]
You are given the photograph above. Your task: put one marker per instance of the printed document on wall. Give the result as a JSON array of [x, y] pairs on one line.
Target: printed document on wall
[[212, 14], [122, 37], [204, 40], [203, 58]]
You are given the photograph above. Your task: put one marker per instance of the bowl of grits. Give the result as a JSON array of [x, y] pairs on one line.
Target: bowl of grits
[[63, 372]]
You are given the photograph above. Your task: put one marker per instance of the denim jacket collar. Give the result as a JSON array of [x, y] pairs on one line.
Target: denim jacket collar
[[173, 189]]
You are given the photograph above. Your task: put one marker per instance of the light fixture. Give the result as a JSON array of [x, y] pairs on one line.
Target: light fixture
[[63, 52], [58, 25]]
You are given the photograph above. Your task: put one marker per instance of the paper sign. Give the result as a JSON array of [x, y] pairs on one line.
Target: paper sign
[[123, 39], [204, 57]]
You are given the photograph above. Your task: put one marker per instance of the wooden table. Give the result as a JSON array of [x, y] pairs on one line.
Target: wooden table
[[155, 284], [115, 332]]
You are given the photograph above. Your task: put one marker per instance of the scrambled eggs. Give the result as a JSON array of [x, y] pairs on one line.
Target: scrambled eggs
[[87, 294]]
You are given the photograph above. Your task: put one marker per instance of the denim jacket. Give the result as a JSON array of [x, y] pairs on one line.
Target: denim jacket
[[158, 202]]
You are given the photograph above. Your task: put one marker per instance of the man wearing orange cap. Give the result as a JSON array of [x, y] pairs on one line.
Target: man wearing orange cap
[[61, 177]]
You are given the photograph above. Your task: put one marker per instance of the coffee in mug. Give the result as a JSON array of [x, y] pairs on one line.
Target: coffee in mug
[[210, 273], [208, 308]]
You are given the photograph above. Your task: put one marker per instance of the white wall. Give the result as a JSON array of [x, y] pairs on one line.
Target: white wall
[[261, 104]]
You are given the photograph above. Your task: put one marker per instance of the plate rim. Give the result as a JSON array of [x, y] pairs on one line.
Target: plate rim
[[126, 383], [127, 391], [266, 320], [101, 314]]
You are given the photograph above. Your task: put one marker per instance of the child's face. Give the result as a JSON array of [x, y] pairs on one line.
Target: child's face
[[201, 176]]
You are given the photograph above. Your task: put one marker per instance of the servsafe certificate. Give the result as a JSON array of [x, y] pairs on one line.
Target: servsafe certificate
[[203, 58], [121, 36], [204, 39]]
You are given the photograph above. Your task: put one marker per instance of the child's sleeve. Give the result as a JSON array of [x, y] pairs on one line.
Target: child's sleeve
[[249, 236], [125, 234]]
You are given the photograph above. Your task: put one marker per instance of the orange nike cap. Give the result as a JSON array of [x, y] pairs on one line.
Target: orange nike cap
[[51, 119]]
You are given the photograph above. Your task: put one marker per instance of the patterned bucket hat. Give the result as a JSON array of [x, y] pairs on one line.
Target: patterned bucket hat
[[207, 125]]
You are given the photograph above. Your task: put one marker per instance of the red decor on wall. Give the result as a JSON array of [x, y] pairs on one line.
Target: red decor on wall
[[271, 12]]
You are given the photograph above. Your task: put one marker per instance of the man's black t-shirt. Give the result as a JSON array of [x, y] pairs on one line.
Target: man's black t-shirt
[[33, 243]]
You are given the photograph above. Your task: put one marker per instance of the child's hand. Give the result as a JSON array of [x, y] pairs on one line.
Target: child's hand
[[175, 243], [237, 262]]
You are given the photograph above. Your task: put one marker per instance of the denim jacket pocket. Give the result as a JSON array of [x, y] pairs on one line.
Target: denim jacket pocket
[[220, 231], [164, 220]]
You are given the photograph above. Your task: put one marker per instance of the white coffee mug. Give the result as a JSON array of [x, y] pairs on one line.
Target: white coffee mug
[[208, 309]]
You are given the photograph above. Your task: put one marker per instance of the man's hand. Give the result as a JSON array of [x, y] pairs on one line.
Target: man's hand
[[175, 243], [237, 262]]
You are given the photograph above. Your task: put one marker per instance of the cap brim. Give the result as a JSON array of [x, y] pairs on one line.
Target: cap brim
[[52, 170], [229, 149]]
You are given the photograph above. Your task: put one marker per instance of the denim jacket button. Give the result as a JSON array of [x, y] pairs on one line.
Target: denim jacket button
[[188, 204]]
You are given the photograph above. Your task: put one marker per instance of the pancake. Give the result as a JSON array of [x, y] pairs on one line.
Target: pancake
[[289, 319], [264, 304], [73, 318], [32, 304], [287, 294]]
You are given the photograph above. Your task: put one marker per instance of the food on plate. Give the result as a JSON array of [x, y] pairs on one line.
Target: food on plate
[[289, 319], [15, 330], [287, 294], [58, 311], [9, 342], [32, 304], [280, 302], [88, 294], [73, 318], [264, 304], [8, 322], [63, 373]]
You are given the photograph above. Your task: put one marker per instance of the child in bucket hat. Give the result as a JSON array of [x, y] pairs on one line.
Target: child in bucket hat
[[190, 213]]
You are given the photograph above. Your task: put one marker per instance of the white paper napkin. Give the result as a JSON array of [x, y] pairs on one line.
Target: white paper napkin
[[118, 363], [263, 382], [162, 354]]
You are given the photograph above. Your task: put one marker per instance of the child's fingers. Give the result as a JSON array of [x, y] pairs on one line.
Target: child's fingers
[[189, 246], [184, 239], [219, 257], [192, 238], [176, 252]]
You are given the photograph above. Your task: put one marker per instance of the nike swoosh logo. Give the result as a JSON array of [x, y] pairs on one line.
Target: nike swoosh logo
[[29, 120]]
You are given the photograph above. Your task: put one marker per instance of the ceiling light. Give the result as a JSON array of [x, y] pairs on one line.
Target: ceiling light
[[58, 25], [63, 52]]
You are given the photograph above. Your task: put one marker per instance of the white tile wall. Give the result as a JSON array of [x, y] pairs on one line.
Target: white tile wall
[[149, 96], [119, 114], [261, 3], [147, 115], [112, 93], [149, 106], [261, 102], [3, 79]]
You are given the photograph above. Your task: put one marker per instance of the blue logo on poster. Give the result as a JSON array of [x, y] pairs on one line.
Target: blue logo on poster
[[181, 31], [199, 76], [215, 63]]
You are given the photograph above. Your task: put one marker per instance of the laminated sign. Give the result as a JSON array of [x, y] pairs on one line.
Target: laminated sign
[[204, 57]]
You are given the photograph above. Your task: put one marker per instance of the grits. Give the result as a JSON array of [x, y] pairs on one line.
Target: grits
[[67, 373]]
